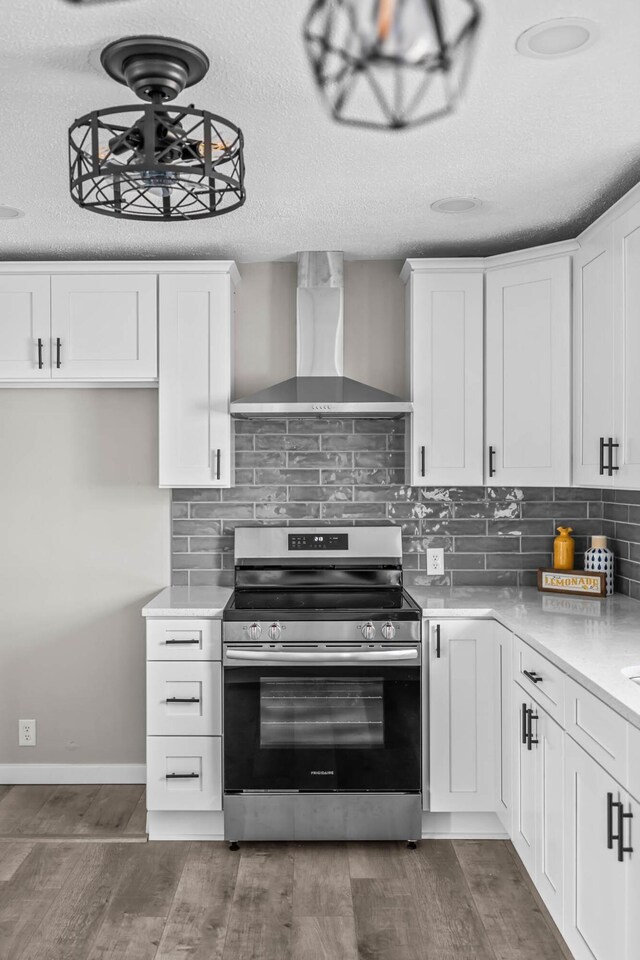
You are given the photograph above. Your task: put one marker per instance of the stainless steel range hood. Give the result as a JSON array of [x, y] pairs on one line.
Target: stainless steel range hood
[[320, 389]]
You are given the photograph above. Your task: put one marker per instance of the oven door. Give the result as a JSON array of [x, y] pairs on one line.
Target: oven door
[[301, 718]]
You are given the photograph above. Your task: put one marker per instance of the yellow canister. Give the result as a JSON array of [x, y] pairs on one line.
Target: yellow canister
[[564, 549]]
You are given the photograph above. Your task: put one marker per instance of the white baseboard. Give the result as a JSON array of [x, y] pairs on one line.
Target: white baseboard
[[15, 773], [462, 826], [185, 825]]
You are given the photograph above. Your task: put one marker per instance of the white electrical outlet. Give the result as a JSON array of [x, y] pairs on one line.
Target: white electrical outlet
[[435, 562], [26, 733]]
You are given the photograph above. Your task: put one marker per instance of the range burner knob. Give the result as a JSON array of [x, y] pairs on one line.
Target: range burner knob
[[275, 631], [368, 630], [388, 630], [254, 631]]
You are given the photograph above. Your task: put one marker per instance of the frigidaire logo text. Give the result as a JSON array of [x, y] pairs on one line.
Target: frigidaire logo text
[[322, 773]]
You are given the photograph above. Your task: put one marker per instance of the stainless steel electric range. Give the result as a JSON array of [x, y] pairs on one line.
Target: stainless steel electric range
[[322, 705]]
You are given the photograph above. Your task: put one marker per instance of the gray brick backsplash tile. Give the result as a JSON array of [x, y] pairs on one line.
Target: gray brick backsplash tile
[[345, 471], [287, 511], [279, 443], [180, 578]]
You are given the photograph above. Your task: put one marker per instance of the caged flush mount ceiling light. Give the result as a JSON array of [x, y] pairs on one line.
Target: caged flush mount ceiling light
[[155, 161], [390, 64]]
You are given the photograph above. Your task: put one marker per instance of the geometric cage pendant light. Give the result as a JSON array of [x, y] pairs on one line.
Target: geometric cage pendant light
[[155, 161], [390, 64]]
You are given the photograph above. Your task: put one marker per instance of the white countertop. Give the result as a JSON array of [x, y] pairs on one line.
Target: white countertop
[[188, 602], [591, 640]]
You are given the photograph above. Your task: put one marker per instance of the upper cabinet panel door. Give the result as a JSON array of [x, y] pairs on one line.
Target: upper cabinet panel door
[[196, 432], [593, 361], [528, 373], [104, 327], [25, 327], [445, 318], [626, 240]]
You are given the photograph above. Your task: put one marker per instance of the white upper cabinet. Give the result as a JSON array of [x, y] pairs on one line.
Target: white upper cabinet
[[196, 432], [626, 286], [445, 346], [528, 373], [104, 326], [25, 345], [464, 715], [593, 361]]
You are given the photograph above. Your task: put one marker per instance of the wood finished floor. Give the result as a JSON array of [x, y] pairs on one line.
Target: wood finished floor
[[65, 900]]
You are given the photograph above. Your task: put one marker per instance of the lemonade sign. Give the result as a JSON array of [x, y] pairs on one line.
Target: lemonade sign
[[573, 581]]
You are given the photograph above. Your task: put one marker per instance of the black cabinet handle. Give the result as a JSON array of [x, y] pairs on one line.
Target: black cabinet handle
[[58, 352], [183, 700], [492, 455], [179, 642], [531, 740], [524, 722], [182, 776], [612, 446], [601, 456], [423, 461], [611, 836], [40, 360], [622, 816], [218, 464], [533, 676], [437, 641]]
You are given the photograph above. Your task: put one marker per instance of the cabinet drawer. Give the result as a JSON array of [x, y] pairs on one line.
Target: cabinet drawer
[[184, 639], [598, 729], [543, 680], [634, 761], [184, 773], [184, 699]]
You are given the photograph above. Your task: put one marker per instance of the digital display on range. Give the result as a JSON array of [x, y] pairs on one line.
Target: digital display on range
[[318, 541]]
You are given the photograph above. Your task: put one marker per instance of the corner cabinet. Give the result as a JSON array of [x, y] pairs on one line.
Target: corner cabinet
[[528, 372], [444, 315], [195, 377]]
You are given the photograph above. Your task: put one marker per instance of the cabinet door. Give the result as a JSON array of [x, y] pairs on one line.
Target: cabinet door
[[504, 640], [626, 240], [196, 433], [445, 331], [525, 794], [595, 881], [549, 752], [25, 327], [593, 360], [104, 327], [463, 715], [528, 373]]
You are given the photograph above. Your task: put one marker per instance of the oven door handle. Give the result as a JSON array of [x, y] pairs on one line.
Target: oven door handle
[[302, 656]]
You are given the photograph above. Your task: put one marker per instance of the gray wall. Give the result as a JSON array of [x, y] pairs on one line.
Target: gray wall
[[85, 541], [622, 527], [351, 471]]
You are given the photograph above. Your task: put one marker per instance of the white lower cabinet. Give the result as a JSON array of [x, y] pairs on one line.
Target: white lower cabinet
[[184, 773], [464, 731], [184, 715], [538, 822], [602, 878], [504, 640]]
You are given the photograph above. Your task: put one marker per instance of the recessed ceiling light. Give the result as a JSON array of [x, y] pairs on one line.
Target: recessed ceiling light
[[10, 213], [456, 204], [557, 38]]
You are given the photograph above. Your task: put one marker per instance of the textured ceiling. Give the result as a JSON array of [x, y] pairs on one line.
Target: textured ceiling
[[546, 145]]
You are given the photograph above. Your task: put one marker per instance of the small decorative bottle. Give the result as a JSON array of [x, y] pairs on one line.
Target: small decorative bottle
[[564, 549], [600, 558]]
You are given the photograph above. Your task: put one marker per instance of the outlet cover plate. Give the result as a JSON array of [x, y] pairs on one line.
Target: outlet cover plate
[[435, 562], [26, 733]]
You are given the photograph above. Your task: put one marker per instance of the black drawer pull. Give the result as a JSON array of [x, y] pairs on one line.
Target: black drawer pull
[[622, 816], [533, 676], [524, 723], [438, 641], [178, 642], [183, 776], [423, 461], [183, 700], [492, 455], [611, 836], [40, 360], [58, 353], [218, 464]]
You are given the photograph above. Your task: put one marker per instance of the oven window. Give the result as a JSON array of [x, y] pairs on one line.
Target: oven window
[[321, 712]]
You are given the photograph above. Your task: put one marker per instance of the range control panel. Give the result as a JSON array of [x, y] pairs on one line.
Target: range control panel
[[318, 541]]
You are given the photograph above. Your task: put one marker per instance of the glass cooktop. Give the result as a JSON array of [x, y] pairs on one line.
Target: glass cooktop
[[320, 605]]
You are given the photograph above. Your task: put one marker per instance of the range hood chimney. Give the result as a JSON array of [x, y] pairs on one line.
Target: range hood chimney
[[319, 387]]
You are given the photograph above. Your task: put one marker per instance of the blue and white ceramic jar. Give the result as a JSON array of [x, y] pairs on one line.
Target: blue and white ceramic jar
[[600, 558]]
